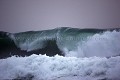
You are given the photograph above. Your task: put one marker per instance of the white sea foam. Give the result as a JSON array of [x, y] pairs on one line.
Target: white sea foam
[[41, 67]]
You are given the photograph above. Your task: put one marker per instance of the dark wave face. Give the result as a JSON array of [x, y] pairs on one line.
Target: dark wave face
[[63, 41]]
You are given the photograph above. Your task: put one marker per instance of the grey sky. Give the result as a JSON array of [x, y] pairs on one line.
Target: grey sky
[[25, 15]]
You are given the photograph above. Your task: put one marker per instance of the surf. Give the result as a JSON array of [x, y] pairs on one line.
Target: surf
[[65, 41]]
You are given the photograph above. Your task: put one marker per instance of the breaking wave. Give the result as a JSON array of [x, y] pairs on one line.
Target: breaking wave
[[72, 41]]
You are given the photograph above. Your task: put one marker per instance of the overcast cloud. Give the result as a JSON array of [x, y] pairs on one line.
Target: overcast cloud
[[25, 15]]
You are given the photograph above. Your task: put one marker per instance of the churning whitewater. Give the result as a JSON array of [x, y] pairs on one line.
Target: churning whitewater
[[72, 41]]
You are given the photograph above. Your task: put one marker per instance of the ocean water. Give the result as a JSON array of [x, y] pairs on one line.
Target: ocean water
[[65, 41], [60, 54]]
